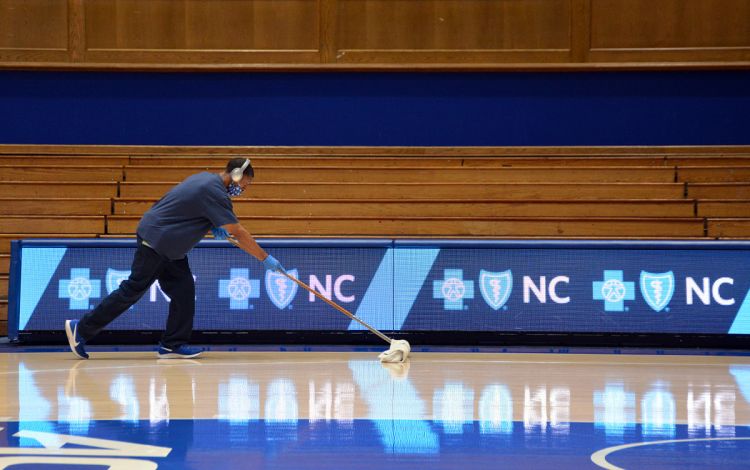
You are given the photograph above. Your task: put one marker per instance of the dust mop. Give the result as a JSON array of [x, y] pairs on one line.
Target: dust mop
[[399, 348]]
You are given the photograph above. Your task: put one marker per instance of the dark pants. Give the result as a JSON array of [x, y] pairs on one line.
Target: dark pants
[[175, 279]]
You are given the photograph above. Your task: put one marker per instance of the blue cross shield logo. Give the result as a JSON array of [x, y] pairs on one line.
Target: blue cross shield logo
[[281, 290], [453, 289], [495, 287], [114, 278], [79, 289], [239, 288], [613, 291], [657, 289]]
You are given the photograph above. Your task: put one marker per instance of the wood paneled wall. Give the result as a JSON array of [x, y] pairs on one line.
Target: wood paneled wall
[[320, 34]]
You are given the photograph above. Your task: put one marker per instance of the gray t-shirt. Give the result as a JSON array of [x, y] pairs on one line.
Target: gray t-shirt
[[180, 219]]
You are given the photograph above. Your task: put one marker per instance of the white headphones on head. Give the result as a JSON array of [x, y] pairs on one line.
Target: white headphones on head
[[236, 174]]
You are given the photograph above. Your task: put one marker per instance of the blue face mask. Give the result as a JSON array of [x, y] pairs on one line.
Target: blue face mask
[[234, 190]]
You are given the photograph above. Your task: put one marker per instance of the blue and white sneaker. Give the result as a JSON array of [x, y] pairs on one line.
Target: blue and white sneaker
[[74, 339], [181, 352]]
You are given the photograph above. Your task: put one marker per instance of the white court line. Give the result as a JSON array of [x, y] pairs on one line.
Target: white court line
[[144, 366], [600, 457]]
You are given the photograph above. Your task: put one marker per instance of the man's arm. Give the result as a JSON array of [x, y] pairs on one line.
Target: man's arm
[[246, 241]]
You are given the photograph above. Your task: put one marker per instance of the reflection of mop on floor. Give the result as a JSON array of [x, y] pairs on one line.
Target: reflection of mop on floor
[[399, 348], [741, 374], [395, 408]]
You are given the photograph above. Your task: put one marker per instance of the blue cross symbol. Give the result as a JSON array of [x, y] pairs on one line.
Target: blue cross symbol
[[453, 289], [239, 288], [613, 291], [79, 289]]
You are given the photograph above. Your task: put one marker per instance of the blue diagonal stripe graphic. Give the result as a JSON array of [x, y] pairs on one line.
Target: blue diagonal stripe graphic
[[38, 265], [741, 324], [411, 268], [376, 308], [406, 269]]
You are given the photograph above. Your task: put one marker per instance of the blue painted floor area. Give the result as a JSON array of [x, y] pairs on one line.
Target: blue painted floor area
[[374, 444]]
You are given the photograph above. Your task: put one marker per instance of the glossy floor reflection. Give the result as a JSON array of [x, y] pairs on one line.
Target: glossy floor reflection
[[346, 410]]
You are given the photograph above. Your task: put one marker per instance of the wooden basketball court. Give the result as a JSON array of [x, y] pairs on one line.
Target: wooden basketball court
[[339, 407]]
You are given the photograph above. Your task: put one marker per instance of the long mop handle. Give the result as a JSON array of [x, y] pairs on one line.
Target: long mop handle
[[326, 300], [338, 307]]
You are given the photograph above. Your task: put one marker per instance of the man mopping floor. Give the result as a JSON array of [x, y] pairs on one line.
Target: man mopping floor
[[165, 234]]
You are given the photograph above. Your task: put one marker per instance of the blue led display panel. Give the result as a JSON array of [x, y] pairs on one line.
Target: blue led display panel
[[618, 287]]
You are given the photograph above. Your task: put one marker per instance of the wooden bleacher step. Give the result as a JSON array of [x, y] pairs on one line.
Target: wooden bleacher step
[[52, 224], [437, 208], [420, 175], [446, 191], [34, 189], [728, 228], [61, 173], [55, 160], [262, 162], [453, 226], [732, 208], [55, 206], [713, 174], [3, 316]]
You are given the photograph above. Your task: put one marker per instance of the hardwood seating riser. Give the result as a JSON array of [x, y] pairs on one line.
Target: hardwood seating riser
[[42, 189], [441, 208], [416, 175], [60, 173], [62, 206], [516, 191], [728, 228], [53, 161], [718, 190], [51, 224], [452, 226], [723, 208], [722, 174]]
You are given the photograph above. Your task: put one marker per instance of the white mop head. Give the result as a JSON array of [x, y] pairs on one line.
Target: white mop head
[[398, 352]]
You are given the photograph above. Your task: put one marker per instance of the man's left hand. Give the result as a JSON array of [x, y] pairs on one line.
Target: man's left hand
[[220, 233]]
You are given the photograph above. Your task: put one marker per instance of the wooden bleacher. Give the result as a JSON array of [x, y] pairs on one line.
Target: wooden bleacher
[[58, 189], [421, 174], [439, 191], [29, 172], [23, 206], [438, 208], [660, 193]]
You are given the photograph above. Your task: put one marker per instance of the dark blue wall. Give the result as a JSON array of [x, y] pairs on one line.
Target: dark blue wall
[[606, 108]]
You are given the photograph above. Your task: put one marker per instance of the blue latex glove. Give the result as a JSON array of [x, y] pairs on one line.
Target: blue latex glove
[[272, 264], [220, 233]]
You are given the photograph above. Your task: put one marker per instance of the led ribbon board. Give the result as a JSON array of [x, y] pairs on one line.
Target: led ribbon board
[[509, 286]]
